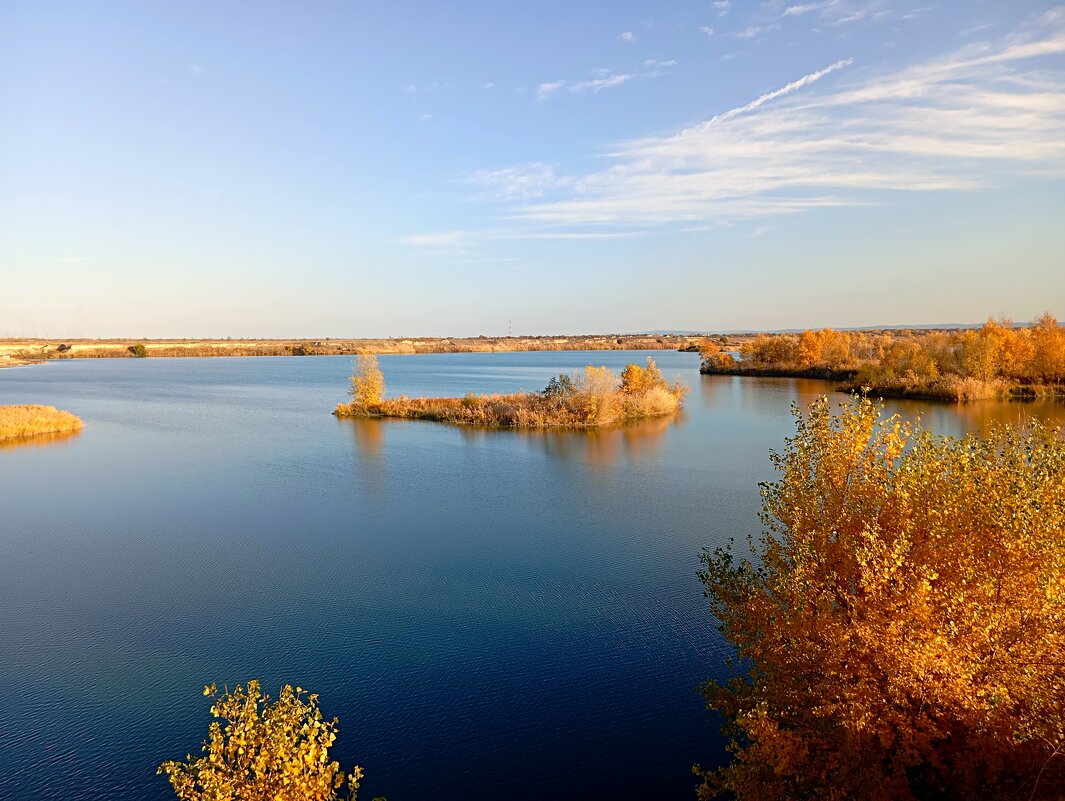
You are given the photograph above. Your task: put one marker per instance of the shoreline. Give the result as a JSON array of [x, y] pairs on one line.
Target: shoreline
[[38, 350], [843, 379]]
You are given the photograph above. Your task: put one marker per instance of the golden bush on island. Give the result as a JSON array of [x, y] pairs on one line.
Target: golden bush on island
[[902, 626], [367, 382], [260, 749]]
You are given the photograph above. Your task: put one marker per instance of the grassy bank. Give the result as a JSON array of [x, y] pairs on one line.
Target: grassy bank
[[593, 398], [18, 422]]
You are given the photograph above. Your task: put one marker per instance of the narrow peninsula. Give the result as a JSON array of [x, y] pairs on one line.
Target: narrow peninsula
[[595, 397]]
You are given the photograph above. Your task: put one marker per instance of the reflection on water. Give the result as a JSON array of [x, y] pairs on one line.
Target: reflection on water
[[38, 440], [765, 396], [958, 419], [369, 434]]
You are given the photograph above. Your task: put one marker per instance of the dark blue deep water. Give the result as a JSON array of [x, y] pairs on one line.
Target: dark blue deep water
[[489, 614]]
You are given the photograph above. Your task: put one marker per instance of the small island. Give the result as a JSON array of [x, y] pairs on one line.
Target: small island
[[592, 398], [22, 422]]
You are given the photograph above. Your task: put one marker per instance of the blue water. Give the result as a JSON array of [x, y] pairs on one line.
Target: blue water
[[489, 614]]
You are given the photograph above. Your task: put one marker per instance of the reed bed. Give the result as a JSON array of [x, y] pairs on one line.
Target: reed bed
[[18, 422]]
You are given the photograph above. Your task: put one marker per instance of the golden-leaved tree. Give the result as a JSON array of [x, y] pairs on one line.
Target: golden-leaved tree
[[367, 382], [902, 626], [260, 749]]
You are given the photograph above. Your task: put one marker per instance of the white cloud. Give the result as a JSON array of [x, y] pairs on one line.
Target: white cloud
[[784, 90], [806, 8], [604, 82], [545, 90], [977, 117], [706, 29], [753, 31], [424, 117], [722, 7], [489, 85], [410, 88], [606, 78], [628, 37], [520, 182], [196, 70]]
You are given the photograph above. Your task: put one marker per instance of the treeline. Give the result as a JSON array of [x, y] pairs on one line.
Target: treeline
[[996, 360]]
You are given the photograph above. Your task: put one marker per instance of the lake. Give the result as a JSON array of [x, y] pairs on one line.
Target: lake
[[490, 614]]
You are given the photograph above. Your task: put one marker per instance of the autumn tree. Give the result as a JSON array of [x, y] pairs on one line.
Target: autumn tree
[[259, 749], [636, 379], [1048, 343], [901, 626], [367, 382]]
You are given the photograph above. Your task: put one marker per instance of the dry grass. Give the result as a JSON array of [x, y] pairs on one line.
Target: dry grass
[[18, 422]]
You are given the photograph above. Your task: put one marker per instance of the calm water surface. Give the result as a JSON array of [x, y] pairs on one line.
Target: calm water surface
[[489, 614]]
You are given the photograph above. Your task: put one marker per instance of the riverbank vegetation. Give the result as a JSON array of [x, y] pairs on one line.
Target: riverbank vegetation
[[997, 360], [36, 349], [258, 748], [591, 398], [20, 422], [902, 622]]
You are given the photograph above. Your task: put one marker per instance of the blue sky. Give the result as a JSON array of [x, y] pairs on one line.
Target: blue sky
[[348, 169]]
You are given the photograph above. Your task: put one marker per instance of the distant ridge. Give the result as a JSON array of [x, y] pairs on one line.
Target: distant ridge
[[913, 327]]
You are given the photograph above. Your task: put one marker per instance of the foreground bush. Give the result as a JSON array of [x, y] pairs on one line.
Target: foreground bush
[[265, 751], [592, 398], [903, 628], [27, 421]]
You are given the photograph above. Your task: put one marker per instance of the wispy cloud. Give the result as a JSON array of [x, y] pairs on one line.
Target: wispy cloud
[[706, 29], [979, 116], [805, 8], [754, 31], [722, 7], [545, 90], [520, 182], [606, 79], [787, 88], [628, 37]]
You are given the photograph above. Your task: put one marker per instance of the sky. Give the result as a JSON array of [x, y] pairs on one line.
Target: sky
[[345, 169]]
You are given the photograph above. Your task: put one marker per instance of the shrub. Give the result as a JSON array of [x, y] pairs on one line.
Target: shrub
[[367, 382], [902, 628], [268, 750], [138, 350]]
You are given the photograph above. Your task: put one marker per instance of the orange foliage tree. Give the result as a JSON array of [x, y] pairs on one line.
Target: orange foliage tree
[[902, 627]]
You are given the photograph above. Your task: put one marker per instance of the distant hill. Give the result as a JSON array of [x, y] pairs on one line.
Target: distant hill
[[716, 331]]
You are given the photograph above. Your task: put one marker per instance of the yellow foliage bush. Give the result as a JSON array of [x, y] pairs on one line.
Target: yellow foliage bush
[[263, 750], [903, 626], [367, 382]]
